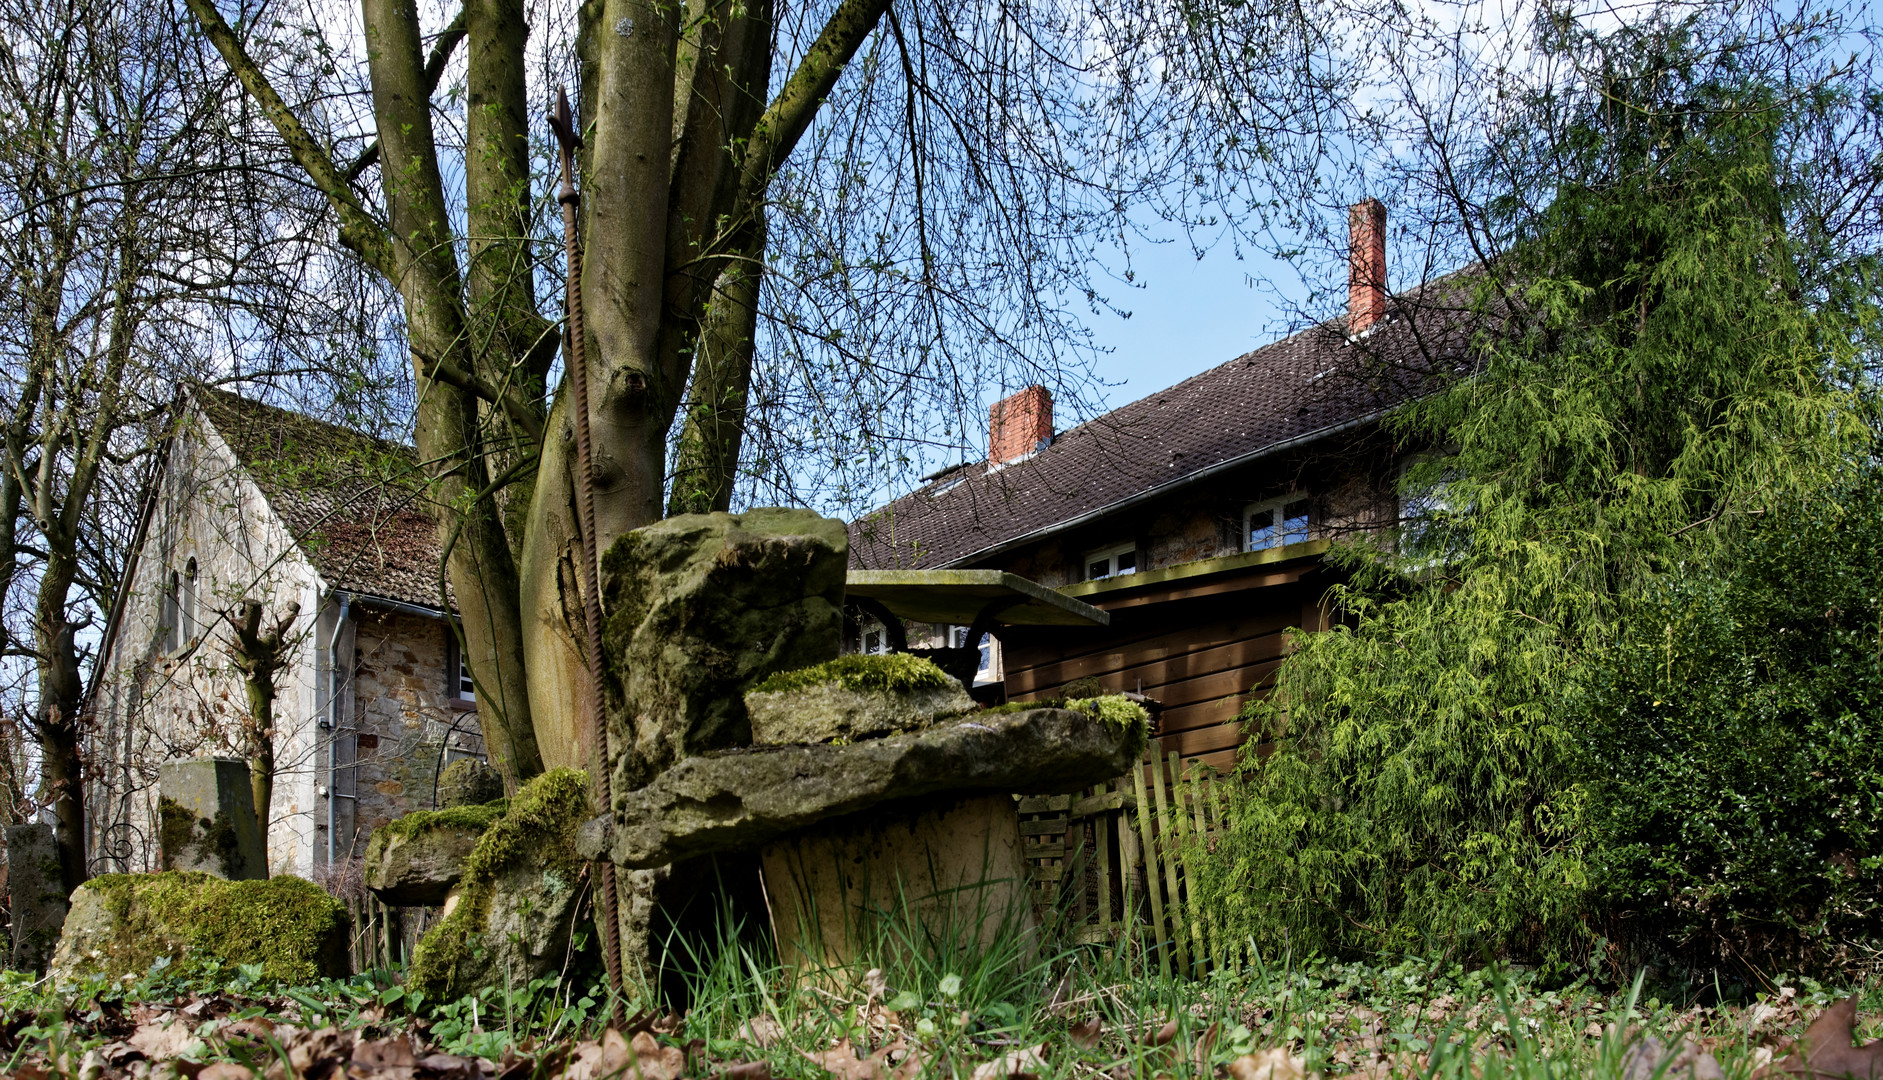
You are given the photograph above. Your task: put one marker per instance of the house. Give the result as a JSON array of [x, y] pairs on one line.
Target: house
[[250, 501], [1196, 516]]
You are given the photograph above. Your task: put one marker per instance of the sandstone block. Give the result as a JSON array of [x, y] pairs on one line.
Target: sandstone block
[[853, 697], [415, 861], [206, 818], [945, 870], [469, 782], [700, 608], [510, 913], [744, 798]]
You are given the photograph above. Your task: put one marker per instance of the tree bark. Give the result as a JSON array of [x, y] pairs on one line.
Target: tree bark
[[706, 466], [481, 569]]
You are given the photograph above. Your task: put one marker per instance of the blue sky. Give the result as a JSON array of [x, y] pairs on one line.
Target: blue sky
[[1189, 316]]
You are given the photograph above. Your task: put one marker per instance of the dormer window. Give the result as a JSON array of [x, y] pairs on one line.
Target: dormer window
[[1275, 523], [1111, 562]]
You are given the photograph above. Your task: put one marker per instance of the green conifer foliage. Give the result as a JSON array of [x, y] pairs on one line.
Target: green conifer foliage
[[1651, 375]]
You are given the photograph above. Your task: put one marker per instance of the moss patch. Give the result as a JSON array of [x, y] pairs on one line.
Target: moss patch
[[479, 818], [1111, 709], [291, 927], [536, 828], [890, 673]]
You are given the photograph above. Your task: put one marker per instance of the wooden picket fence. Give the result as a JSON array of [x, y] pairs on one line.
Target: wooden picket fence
[[1116, 862], [384, 935]]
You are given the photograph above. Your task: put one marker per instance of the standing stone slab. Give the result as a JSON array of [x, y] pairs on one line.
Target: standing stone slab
[[950, 870], [700, 608], [37, 890], [206, 812]]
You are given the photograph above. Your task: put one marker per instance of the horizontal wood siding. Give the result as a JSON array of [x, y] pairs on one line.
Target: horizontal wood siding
[[1201, 656]]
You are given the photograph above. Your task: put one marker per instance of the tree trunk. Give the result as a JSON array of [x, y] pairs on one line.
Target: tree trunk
[[56, 722]]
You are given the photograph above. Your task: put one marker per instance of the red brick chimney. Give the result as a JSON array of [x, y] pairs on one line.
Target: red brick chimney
[[1019, 424], [1366, 265]]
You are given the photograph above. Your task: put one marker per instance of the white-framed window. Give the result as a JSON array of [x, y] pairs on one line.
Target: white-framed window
[[1275, 523], [458, 677], [872, 638], [958, 637], [1111, 562], [988, 670]]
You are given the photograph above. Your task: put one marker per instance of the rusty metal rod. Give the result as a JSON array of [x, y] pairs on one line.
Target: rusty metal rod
[[564, 126]]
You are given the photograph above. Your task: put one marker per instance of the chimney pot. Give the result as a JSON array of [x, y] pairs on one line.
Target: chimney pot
[[1019, 424], [1366, 265]]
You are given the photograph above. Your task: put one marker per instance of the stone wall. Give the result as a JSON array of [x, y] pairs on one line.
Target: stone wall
[[405, 707]]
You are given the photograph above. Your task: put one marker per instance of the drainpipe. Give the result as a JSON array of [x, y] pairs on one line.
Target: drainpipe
[[335, 683]]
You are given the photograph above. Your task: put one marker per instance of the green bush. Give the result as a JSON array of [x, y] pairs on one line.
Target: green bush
[[1735, 749]]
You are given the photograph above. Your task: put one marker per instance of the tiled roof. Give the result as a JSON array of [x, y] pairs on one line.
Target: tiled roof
[[354, 503], [1290, 392]]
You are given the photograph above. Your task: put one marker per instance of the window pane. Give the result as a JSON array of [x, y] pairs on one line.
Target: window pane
[[987, 654], [1295, 522], [1261, 530], [1099, 568], [1127, 561]]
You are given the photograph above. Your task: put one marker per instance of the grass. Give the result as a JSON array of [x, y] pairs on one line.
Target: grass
[[954, 999]]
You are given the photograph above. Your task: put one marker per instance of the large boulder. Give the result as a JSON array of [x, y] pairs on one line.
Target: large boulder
[[853, 697], [741, 799], [700, 608], [511, 913], [121, 924], [416, 860]]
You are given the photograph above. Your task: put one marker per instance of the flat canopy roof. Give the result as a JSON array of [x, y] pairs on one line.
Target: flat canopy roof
[[957, 596]]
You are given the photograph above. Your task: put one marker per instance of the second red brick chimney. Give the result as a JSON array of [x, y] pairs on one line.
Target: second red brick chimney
[[1019, 424], [1366, 265]]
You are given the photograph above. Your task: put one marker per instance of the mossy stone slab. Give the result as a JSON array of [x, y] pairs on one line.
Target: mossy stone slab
[[121, 924], [830, 712], [510, 915], [741, 799], [415, 861]]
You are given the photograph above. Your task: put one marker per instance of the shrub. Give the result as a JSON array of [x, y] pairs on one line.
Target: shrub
[[1735, 751]]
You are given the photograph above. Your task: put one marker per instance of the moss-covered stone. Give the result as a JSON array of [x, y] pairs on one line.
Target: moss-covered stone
[[36, 886], [1115, 709], [741, 799], [120, 924], [511, 910], [891, 673], [469, 782], [206, 818], [701, 607], [853, 697], [415, 860]]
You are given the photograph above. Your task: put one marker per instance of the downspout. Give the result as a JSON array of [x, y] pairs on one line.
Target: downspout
[[335, 684]]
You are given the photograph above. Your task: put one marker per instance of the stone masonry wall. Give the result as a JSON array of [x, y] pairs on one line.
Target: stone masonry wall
[[405, 705]]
